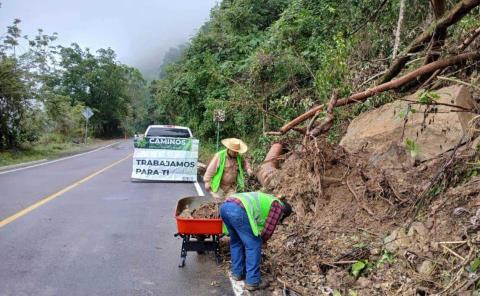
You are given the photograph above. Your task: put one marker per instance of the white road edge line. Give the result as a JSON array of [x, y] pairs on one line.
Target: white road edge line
[[57, 160], [237, 286], [198, 188]]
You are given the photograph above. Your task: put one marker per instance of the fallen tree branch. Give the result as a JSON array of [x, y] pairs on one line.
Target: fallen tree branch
[[361, 96], [358, 200], [453, 252], [290, 287], [471, 37], [300, 130], [458, 81], [311, 123], [328, 121], [421, 200], [290, 125], [429, 68], [435, 103], [309, 127], [270, 164], [450, 18], [373, 77]]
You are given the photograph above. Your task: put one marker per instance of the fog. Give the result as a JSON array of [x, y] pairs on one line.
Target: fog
[[139, 31]]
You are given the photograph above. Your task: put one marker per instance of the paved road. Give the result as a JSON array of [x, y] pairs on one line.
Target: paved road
[[102, 236]]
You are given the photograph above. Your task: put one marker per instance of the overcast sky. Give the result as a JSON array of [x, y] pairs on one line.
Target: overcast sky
[[140, 31]]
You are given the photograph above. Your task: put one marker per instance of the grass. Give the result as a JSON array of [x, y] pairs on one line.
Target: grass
[[43, 149]]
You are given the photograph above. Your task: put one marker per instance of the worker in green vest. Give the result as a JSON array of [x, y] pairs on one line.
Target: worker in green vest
[[251, 219], [225, 173]]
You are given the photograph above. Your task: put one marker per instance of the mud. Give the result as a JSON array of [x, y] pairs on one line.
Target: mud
[[349, 209]]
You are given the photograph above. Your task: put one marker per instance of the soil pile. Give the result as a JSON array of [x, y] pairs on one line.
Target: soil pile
[[205, 211], [363, 228]]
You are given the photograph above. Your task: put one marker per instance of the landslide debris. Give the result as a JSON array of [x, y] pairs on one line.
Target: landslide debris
[[355, 231]]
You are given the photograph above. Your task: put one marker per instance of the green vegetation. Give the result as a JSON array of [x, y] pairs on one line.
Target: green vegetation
[[44, 89], [47, 147], [265, 62]]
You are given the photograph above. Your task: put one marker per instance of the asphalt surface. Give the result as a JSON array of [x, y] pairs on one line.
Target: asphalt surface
[[104, 236]]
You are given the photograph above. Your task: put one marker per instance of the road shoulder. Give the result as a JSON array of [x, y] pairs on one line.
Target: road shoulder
[[99, 144]]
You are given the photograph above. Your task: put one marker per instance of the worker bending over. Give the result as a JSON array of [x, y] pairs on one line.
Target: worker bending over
[[251, 219]]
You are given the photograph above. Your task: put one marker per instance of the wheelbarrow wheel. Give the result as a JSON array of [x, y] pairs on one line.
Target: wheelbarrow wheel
[[200, 238]]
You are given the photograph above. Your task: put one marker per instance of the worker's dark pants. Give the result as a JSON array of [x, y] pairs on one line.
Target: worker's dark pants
[[245, 247]]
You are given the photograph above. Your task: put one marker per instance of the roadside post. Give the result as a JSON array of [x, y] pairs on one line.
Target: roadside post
[[87, 113], [218, 116]]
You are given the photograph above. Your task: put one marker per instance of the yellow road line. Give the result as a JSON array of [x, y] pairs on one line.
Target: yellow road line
[[57, 194]]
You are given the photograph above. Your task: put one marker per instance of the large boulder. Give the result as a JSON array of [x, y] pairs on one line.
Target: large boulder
[[435, 132]]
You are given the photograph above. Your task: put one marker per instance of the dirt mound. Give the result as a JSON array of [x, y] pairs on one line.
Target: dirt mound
[[353, 229], [205, 211]]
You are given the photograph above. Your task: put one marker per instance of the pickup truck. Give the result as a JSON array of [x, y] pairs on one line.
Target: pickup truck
[[172, 131]]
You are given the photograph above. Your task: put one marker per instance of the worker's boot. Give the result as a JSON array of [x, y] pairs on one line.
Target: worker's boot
[[238, 277], [260, 286]]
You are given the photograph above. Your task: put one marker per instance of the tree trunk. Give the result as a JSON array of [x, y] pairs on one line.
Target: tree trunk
[[430, 68], [453, 16], [361, 96], [399, 29], [438, 38], [470, 38]]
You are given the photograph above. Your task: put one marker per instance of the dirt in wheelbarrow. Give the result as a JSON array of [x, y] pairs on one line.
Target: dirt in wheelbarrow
[[205, 211]]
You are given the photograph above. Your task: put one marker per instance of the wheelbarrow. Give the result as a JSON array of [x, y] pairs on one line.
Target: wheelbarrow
[[198, 235]]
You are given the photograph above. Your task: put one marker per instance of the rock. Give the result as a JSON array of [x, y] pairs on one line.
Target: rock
[[389, 242], [426, 267], [418, 228], [391, 155], [396, 240], [442, 131], [332, 277], [364, 283]]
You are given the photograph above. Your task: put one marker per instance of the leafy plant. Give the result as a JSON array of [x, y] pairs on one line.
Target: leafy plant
[[406, 111], [474, 265], [358, 267], [428, 97], [412, 147], [352, 293], [387, 257]]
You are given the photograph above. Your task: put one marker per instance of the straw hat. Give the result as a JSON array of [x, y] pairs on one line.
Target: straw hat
[[235, 144]]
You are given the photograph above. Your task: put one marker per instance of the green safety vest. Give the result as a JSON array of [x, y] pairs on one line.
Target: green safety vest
[[257, 205], [217, 179]]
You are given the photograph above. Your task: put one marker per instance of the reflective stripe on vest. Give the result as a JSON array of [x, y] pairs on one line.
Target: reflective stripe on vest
[[257, 206], [250, 197]]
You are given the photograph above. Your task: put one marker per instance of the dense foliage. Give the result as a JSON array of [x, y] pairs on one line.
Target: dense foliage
[[265, 62], [44, 89]]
